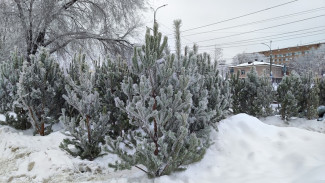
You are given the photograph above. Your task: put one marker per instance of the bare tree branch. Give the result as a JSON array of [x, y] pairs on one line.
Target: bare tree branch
[[67, 23]]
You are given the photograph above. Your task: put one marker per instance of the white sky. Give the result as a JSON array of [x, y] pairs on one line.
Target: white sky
[[195, 13]]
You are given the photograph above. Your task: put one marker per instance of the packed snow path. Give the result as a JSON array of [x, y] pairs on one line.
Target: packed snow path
[[244, 150]]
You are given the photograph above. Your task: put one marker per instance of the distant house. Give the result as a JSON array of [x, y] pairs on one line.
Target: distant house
[[261, 67]]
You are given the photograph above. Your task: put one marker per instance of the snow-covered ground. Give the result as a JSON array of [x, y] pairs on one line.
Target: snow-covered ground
[[244, 150], [312, 125]]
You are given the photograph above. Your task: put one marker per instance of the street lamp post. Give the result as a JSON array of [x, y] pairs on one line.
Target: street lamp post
[[155, 11], [270, 57]]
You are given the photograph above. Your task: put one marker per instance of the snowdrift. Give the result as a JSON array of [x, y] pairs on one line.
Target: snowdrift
[[244, 150]]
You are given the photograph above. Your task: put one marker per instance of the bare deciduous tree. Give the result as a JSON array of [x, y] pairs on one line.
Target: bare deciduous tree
[[62, 24], [314, 61]]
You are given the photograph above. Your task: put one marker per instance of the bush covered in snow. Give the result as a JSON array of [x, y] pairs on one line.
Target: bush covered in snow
[[298, 96], [252, 95], [40, 90], [288, 94], [173, 104], [9, 77], [91, 89], [321, 86]]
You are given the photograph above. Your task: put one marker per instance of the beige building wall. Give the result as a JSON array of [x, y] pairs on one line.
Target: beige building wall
[[286, 55], [260, 69]]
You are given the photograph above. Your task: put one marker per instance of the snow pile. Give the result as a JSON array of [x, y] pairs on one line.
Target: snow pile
[[27, 158], [312, 125], [2, 117], [247, 150], [244, 150]]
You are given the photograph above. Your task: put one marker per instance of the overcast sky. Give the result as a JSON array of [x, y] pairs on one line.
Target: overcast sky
[[196, 13]]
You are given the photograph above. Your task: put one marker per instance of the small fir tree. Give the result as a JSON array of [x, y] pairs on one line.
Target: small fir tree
[[201, 116], [286, 98], [296, 89], [310, 98], [109, 77], [237, 85], [219, 97], [252, 83], [159, 105], [40, 91], [9, 77], [265, 96], [252, 95], [90, 121], [321, 86]]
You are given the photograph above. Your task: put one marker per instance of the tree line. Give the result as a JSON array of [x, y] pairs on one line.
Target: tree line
[[161, 107]]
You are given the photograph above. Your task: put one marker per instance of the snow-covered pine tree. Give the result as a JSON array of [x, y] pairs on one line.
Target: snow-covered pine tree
[[90, 122], [238, 101], [310, 98], [226, 98], [219, 97], [40, 91], [321, 86], [252, 83], [159, 105], [109, 76], [200, 117], [288, 106], [210, 92], [252, 95], [286, 98], [265, 96], [296, 88], [9, 77]]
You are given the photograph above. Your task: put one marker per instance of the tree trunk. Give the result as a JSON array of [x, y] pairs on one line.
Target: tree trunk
[[154, 107], [88, 129], [42, 132]]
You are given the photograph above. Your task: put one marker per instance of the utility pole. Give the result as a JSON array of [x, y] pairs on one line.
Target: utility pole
[[270, 47], [155, 11]]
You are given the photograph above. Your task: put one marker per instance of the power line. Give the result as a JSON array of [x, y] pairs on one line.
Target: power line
[[260, 42], [260, 21], [318, 41], [261, 29], [172, 30], [240, 16], [269, 37], [257, 43]]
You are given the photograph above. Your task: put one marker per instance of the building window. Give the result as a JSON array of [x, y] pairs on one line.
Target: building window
[[289, 54], [231, 70], [286, 59], [242, 72]]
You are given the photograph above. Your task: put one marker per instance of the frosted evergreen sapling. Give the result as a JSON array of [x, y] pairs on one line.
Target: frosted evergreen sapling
[[286, 98], [40, 91], [9, 77], [89, 122], [158, 104], [252, 95], [321, 86], [310, 96]]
